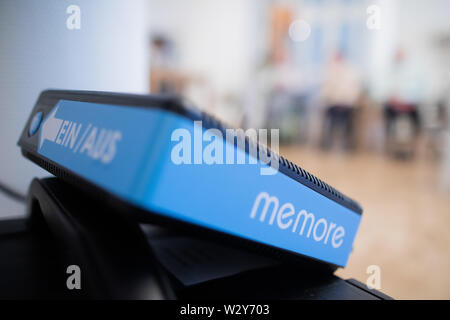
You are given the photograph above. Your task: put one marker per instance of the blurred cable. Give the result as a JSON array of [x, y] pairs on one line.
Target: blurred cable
[[12, 193]]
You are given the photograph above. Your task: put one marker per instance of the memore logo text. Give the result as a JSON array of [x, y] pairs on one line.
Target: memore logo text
[[302, 222]]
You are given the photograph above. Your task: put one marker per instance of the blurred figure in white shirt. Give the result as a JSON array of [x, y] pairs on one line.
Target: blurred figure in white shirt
[[340, 94]]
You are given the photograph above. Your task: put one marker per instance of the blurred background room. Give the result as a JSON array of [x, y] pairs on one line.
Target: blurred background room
[[360, 90]]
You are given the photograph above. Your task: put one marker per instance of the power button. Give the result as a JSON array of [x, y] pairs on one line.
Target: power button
[[35, 123]]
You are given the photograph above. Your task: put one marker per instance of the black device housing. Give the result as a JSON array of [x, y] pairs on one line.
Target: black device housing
[[63, 227]]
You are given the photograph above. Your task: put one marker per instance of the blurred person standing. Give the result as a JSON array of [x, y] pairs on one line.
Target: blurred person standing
[[164, 74], [340, 92], [401, 115], [167, 77]]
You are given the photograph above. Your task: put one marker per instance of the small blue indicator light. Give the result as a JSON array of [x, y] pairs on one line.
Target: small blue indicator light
[[35, 123]]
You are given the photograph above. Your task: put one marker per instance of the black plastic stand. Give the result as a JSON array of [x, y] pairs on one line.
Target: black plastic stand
[[66, 227]]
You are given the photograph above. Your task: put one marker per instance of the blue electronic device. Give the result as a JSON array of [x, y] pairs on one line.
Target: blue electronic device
[[162, 160]]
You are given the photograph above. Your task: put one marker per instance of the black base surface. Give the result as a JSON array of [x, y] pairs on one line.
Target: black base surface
[[65, 227]]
